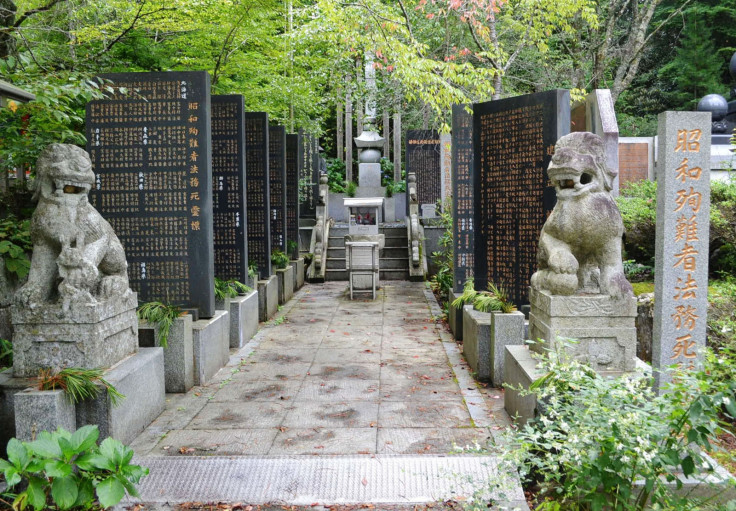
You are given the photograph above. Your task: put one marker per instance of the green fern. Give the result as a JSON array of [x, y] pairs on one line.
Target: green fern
[[230, 288], [468, 296], [78, 384], [502, 295], [160, 315]]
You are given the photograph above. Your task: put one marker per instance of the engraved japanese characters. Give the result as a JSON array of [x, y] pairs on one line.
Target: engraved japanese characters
[[580, 245]]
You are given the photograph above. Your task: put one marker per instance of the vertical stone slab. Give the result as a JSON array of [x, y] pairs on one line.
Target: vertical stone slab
[[228, 188], [635, 159], [292, 191], [513, 142], [151, 153], [462, 193], [277, 185], [681, 250], [307, 199], [423, 159], [258, 191], [446, 166]]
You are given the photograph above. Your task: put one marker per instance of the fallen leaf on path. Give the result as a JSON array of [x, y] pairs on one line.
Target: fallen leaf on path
[[365, 482], [282, 429]]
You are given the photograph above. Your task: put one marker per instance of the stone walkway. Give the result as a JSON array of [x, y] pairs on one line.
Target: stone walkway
[[330, 376]]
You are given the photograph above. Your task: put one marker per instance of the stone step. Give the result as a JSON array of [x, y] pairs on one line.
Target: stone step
[[335, 263], [402, 251], [394, 263], [394, 274], [336, 274]]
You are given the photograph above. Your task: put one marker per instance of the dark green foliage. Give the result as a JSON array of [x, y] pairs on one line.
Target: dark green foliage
[[279, 259], [6, 353], [160, 315], [78, 383], [253, 271], [495, 299], [336, 175], [15, 245], [444, 258], [230, 288], [63, 470], [292, 249], [350, 188]]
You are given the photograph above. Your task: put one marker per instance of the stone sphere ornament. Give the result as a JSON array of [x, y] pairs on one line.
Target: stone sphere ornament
[[715, 104]]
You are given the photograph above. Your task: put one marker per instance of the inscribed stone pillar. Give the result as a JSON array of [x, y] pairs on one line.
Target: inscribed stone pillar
[[681, 250]]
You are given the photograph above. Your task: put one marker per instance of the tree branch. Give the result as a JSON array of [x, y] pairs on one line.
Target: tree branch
[[138, 17], [27, 14], [406, 19]]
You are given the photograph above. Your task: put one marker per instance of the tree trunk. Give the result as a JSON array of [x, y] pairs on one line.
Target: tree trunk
[[340, 132], [348, 137], [7, 18], [425, 117], [386, 134], [359, 104]]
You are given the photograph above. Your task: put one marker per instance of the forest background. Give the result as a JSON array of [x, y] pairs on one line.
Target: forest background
[[301, 60]]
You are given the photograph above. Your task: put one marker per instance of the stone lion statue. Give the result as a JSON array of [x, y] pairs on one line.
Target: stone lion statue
[[580, 245], [77, 258]]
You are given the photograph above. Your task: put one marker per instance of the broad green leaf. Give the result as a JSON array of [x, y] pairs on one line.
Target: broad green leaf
[[17, 454], [56, 468], [110, 491], [688, 465], [12, 477], [94, 461], [85, 437], [64, 491], [113, 450], [37, 492], [66, 448], [46, 447], [85, 494]]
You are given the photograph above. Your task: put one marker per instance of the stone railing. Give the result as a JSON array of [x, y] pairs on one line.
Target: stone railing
[[320, 234], [415, 231]]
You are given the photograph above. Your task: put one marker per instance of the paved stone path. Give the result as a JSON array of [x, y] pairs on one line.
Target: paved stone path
[[331, 376]]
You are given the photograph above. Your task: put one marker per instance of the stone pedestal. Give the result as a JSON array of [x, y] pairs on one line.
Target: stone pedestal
[[477, 342], [455, 316], [140, 379], [369, 174], [268, 298], [429, 211], [520, 371], [243, 318], [9, 387], [604, 328], [178, 355], [286, 284], [89, 336], [298, 265], [211, 340], [507, 329], [42, 410]]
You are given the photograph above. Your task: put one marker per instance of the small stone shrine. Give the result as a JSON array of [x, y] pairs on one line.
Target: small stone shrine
[[580, 290], [682, 237], [76, 310], [513, 141]]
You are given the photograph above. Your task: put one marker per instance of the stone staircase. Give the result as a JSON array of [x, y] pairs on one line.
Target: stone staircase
[[394, 262]]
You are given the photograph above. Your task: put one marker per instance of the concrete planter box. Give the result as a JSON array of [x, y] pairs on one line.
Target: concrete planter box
[[455, 316], [211, 339], [178, 355], [42, 410], [286, 284], [485, 335], [140, 378], [268, 298], [298, 265]]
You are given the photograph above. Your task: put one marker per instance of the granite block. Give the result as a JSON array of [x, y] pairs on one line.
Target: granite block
[[140, 378], [211, 340], [42, 410], [506, 330], [178, 355], [369, 174], [455, 316], [520, 371], [286, 284], [268, 298], [477, 342], [9, 386], [243, 318], [298, 265]]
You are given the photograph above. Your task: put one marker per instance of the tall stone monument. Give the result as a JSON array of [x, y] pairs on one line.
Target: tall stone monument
[[513, 142], [462, 193], [681, 250], [229, 216], [423, 160], [258, 191], [446, 166], [292, 190], [580, 290], [151, 152], [277, 185], [77, 309]]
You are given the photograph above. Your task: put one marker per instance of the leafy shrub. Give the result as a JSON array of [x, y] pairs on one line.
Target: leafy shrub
[[636, 272], [230, 288], [292, 248], [722, 313], [6, 353], [350, 188], [611, 443], [336, 175], [496, 299], [15, 243], [63, 470], [279, 259], [78, 383], [162, 316], [252, 271], [443, 280], [638, 206]]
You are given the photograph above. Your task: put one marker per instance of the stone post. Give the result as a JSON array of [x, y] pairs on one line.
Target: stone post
[[681, 250]]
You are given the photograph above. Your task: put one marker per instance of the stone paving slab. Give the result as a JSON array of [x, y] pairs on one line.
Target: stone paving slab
[[328, 377]]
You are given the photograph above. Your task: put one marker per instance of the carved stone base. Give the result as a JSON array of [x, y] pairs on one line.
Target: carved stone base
[[89, 336], [604, 328]]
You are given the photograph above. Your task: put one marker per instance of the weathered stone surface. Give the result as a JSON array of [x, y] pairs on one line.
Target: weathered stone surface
[[477, 341], [211, 340], [9, 386], [286, 284], [88, 335], [681, 249], [140, 378], [298, 265], [644, 326], [369, 174], [268, 298], [37, 410], [178, 355], [603, 326], [506, 330], [243, 319], [455, 316], [520, 371], [580, 245]]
